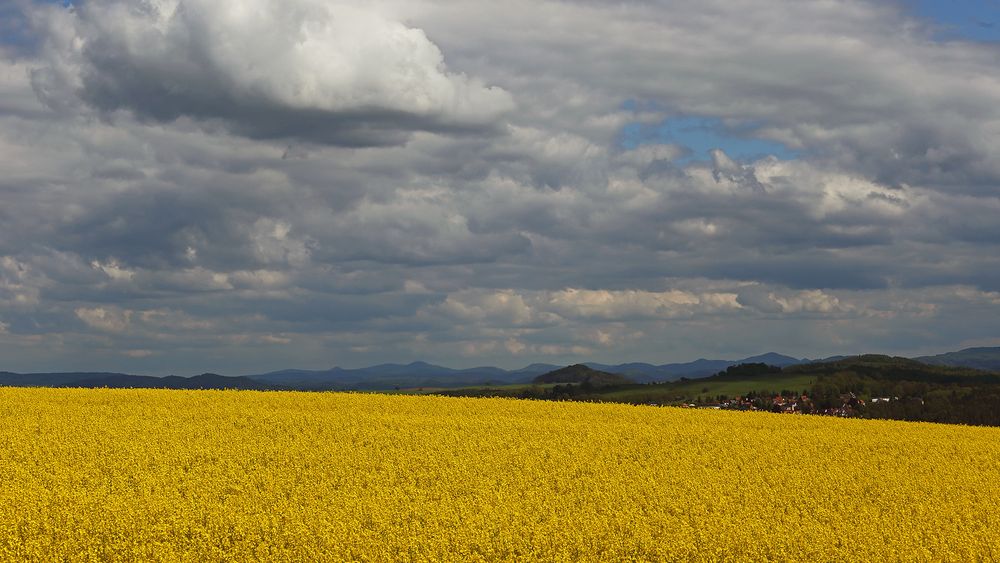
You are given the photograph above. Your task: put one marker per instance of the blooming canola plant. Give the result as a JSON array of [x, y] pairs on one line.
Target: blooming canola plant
[[159, 475]]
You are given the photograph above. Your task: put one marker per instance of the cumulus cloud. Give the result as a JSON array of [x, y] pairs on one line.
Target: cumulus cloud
[[809, 301], [510, 307], [111, 319], [170, 320], [326, 72], [19, 285], [272, 243], [113, 270], [630, 304], [726, 169], [138, 353], [500, 307]]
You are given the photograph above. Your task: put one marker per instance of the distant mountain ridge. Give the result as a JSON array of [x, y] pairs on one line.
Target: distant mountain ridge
[[390, 376], [648, 373], [383, 376], [423, 374], [978, 358], [124, 380]]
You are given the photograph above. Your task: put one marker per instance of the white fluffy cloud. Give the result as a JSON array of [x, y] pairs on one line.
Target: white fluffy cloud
[[111, 319], [518, 308], [324, 71], [19, 286], [632, 304]]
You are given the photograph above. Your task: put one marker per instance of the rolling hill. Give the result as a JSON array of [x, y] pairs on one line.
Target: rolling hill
[[584, 375], [978, 358]]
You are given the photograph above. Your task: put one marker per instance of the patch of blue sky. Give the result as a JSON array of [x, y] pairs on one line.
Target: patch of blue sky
[[16, 31], [974, 20], [14, 28], [699, 135]]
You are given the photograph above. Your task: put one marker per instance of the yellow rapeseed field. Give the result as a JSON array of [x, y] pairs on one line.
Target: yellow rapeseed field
[[127, 475]]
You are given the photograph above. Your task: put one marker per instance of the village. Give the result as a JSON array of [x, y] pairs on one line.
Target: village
[[787, 403]]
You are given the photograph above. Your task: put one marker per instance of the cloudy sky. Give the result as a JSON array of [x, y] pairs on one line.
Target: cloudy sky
[[244, 185]]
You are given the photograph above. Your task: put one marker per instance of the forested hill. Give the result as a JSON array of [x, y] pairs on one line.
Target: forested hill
[[890, 368], [579, 373]]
